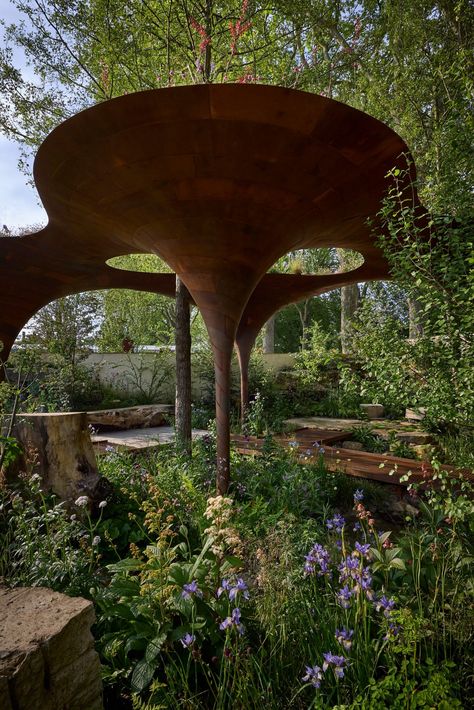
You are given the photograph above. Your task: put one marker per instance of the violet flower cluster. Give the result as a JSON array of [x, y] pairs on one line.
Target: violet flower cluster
[[317, 556], [314, 674], [233, 590]]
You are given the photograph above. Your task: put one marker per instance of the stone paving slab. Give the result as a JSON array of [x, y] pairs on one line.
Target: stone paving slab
[[133, 439]]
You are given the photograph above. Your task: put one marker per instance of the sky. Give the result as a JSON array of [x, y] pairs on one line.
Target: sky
[[20, 205]]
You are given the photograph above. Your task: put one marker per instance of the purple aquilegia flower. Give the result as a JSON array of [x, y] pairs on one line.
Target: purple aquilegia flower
[[188, 640], [358, 495], [190, 589], [233, 620], [336, 523], [386, 604], [239, 586], [344, 597], [336, 662], [362, 549], [318, 555], [344, 637], [313, 675]]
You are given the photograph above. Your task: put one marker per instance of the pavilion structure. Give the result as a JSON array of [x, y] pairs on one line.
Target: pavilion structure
[[220, 181]]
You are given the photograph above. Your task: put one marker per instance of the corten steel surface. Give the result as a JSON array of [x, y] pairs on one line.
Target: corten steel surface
[[218, 180]]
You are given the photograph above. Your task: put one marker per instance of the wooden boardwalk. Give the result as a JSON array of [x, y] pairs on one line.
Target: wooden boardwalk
[[309, 444]]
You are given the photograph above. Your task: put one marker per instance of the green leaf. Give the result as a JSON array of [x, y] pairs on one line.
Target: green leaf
[[142, 675], [154, 647]]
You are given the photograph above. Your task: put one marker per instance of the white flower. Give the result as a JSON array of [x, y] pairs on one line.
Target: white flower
[[102, 504], [82, 501], [96, 540]]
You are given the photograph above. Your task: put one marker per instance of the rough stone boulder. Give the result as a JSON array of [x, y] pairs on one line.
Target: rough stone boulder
[[47, 655]]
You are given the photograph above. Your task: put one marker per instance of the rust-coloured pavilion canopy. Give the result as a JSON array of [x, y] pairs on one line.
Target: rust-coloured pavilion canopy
[[219, 181]]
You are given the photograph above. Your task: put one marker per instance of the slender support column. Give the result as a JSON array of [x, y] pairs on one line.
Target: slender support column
[[243, 355], [222, 362]]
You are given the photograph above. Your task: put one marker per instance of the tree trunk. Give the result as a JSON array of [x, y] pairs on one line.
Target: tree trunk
[[349, 304], [269, 336], [415, 327], [183, 368]]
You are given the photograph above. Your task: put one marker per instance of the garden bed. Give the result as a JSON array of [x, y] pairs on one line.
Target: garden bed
[[300, 589]]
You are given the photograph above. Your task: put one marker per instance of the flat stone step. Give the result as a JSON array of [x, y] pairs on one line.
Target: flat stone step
[[135, 439]]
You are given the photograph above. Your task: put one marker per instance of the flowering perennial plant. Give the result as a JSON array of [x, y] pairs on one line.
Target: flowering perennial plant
[[357, 596], [191, 589]]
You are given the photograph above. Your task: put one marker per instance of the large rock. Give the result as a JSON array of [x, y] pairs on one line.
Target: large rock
[[47, 656]]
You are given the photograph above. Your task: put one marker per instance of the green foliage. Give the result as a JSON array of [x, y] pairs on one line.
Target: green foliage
[[369, 439], [433, 261], [44, 544]]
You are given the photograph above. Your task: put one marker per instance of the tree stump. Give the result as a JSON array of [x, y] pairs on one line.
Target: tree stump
[[58, 447]]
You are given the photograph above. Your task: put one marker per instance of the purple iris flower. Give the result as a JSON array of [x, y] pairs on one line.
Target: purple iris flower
[[392, 631], [362, 549], [344, 597], [225, 586], [386, 604], [190, 589], [357, 527], [313, 675], [188, 640], [337, 663], [239, 586], [318, 555], [358, 495], [344, 637], [349, 567], [336, 523], [233, 620]]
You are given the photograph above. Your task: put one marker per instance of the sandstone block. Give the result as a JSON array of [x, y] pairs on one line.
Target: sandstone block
[[373, 411], [47, 656]]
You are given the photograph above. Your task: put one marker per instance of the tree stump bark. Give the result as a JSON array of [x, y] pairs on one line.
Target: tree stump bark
[[58, 447]]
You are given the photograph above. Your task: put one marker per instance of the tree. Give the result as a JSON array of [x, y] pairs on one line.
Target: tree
[[143, 318], [183, 369], [67, 326]]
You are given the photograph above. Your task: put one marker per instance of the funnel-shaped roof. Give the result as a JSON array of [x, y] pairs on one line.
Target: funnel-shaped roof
[[218, 180]]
